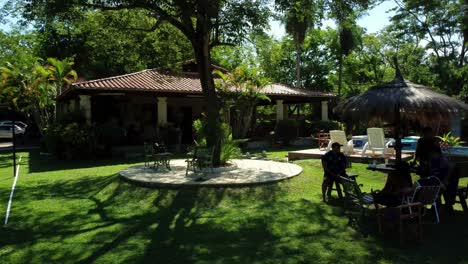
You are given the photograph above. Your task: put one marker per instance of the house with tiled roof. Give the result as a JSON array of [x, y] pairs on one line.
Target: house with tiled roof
[[150, 99]]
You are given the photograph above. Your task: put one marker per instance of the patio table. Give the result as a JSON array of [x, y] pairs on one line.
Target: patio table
[[395, 183], [162, 159]]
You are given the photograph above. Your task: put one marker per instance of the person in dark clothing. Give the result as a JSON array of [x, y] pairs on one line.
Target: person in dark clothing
[[438, 165], [426, 145], [444, 171], [334, 166]]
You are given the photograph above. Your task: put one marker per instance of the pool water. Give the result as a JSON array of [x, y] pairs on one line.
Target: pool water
[[412, 141], [458, 151], [360, 141]]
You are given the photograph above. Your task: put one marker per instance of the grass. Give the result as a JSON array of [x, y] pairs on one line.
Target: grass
[[81, 212]]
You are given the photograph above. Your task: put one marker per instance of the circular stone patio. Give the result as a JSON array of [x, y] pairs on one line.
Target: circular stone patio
[[243, 172]]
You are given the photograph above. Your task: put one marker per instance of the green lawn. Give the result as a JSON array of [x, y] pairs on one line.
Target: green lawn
[[69, 212]]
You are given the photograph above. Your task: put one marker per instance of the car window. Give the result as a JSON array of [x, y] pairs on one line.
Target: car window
[[5, 128]]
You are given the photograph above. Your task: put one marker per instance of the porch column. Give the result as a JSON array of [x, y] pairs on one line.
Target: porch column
[[85, 107], [280, 110], [162, 111], [324, 110]]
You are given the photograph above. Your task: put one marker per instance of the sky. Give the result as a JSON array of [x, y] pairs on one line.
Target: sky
[[375, 20]]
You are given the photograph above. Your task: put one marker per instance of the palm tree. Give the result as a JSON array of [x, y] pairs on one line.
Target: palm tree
[[61, 75], [347, 42], [345, 12], [299, 17], [33, 87]]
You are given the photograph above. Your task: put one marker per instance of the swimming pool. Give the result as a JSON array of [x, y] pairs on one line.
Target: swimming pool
[[361, 140], [412, 141]]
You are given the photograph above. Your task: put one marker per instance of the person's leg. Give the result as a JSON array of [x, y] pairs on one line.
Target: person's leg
[[338, 188], [325, 187], [330, 187], [451, 193]]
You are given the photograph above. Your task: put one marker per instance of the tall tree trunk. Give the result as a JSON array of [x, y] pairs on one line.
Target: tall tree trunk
[[340, 74], [213, 106], [298, 64]]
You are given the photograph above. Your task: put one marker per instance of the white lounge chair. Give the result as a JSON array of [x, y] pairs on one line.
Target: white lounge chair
[[376, 142], [340, 137]]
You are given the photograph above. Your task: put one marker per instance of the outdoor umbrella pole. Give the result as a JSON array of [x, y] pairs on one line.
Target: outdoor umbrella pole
[[397, 134]]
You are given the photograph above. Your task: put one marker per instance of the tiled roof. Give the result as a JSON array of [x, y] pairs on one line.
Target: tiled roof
[[286, 90], [152, 80]]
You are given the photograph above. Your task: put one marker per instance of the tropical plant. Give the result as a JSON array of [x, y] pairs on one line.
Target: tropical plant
[[447, 140], [33, 86], [229, 146], [240, 91]]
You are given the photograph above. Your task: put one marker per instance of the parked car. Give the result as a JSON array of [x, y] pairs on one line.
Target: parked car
[[18, 123], [5, 131]]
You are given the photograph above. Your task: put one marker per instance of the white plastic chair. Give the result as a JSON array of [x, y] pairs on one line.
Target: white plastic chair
[[426, 194], [375, 142], [340, 137]]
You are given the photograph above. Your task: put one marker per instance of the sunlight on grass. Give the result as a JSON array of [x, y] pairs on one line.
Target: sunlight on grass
[[80, 211]]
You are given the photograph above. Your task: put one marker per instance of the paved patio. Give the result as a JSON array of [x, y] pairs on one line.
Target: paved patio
[[243, 172]]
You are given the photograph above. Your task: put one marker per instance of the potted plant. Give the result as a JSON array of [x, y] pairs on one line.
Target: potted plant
[[447, 141]]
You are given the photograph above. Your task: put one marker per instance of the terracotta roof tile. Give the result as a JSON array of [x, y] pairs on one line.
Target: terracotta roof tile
[[189, 83]]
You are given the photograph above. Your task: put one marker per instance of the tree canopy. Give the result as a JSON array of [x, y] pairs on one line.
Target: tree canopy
[[108, 38]]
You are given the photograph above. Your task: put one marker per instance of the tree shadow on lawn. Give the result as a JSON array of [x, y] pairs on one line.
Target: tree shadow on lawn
[[45, 163], [442, 243], [109, 220], [41, 163]]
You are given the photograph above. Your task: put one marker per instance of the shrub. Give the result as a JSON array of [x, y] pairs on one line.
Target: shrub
[[286, 130], [262, 128], [110, 135], [229, 147], [70, 140]]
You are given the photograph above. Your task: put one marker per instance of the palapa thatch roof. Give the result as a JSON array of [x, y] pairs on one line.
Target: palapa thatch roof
[[418, 104]]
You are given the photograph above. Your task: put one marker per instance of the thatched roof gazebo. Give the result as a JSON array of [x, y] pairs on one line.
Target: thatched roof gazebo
[[401, 102]]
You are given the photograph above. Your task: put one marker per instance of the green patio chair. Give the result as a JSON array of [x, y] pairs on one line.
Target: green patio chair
[[148, 153], [202, 157], [354, 195]]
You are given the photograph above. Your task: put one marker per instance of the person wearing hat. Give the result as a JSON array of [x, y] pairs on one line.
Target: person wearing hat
[[334, 166]]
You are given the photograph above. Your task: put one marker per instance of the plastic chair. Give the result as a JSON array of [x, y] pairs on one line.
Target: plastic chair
[[426, 193], [375, 141], [340, 137]]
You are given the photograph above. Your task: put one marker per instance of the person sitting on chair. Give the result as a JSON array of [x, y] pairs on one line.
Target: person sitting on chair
[[334, 166], [441, 169], [426, 144]]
